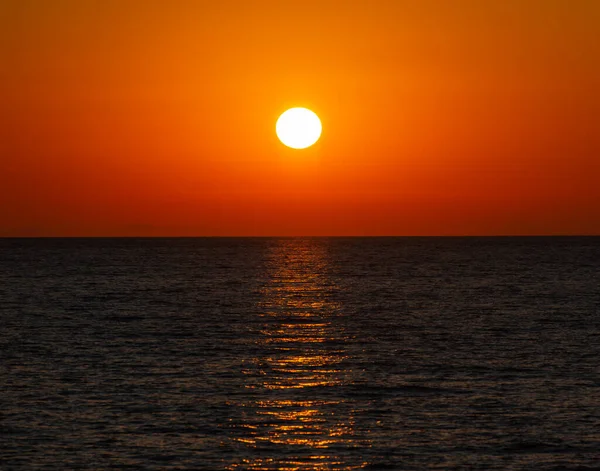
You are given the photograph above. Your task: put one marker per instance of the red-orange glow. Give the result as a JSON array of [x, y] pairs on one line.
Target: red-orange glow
[[157, 118]]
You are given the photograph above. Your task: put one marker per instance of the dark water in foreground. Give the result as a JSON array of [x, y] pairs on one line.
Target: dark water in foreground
[[390, 353]]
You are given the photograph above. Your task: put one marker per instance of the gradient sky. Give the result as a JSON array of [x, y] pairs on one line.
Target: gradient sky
[[126, 118]]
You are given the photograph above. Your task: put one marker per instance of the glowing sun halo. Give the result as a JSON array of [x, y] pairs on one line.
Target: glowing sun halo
[[298, 128]]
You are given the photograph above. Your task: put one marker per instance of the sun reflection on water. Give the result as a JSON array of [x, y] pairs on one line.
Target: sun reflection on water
[[297, 417]]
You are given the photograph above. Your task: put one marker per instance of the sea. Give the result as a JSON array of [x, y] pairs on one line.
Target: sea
[[408, 353]]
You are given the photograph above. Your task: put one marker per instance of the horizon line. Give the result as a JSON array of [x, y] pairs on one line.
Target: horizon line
[[298, 236]]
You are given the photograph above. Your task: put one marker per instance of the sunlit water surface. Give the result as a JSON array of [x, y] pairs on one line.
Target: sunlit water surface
[[382, 353]]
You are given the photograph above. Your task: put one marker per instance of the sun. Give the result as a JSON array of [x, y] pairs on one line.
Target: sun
[[298, 128]]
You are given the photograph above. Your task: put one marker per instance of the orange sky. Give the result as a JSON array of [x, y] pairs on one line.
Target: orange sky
[[439, 117]]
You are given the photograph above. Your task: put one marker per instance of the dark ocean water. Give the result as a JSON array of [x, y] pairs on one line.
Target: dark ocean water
[[327, 353]]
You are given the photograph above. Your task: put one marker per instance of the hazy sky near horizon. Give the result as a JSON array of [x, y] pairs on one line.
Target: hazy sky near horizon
[[439, 118]]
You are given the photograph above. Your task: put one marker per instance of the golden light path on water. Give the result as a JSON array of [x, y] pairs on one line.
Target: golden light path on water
[[298, 419]]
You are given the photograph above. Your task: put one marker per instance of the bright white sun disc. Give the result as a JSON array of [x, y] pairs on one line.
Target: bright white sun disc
[[298, 128]]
